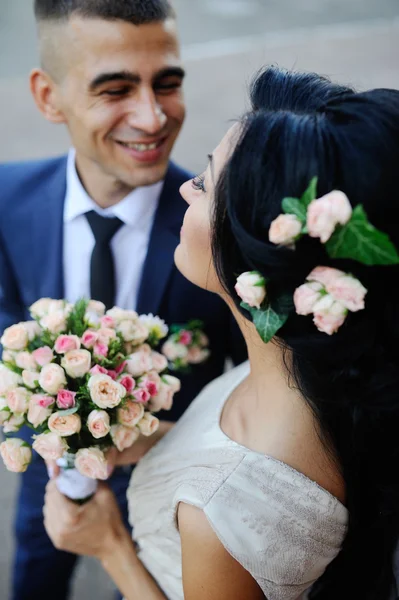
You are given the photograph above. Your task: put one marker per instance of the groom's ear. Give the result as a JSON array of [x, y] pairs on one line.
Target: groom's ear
[[44, 92]]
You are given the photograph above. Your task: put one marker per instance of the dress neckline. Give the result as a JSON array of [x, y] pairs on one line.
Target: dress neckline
[[245, 368]]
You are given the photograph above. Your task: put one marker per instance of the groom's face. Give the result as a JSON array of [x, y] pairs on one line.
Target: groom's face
[[119, 90]]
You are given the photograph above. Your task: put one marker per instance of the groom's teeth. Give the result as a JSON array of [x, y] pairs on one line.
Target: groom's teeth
[[141, 147]]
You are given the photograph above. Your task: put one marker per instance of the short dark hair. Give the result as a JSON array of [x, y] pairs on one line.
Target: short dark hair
[[301, 126], [137, 12]]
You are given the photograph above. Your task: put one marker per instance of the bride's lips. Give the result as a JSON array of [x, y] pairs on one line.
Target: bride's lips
[[145, 152]]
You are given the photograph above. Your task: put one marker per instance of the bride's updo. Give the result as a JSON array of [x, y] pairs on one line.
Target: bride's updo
[[350, 379]]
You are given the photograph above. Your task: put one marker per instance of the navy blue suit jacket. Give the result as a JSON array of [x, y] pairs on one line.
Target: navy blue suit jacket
[[32, 198]]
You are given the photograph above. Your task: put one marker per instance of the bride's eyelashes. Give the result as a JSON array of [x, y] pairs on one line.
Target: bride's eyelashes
[[198, 183]]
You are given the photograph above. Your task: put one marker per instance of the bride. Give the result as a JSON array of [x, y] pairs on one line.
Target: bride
[[282, 477]]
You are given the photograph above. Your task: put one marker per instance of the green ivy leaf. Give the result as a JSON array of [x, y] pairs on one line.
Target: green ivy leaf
[[266, 321], [293, 206], [359, 240], [310, 193], [69, 411], [76, 318]]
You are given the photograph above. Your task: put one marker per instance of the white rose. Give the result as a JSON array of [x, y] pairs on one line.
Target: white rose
[[130, 414], [250, 287], [173, 350], [118, 314], [50, 446], [172, 382], [105, 392], [92, 463], [40, 409], [30, 379], [16, 455], [52, 378], [25, 360], [15, 337], [98, 423], [8, 380], [13, 424], [4, 411], [139, 363], [18, 400], [159, 362], [133, 331], [76, 363], [124, 437], [55, 322], [148, 424], [64, 425], [32, 329], [40, 308]]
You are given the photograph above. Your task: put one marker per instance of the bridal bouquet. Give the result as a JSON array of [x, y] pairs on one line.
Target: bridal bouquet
[[84, 380]]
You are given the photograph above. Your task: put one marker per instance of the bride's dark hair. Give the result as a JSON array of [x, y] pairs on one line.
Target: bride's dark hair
[[351, 379]]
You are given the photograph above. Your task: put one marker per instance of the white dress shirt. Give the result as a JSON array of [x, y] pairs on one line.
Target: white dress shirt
[[129, 245]]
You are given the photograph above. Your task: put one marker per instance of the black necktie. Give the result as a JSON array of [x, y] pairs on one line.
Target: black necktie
[[102, 269]]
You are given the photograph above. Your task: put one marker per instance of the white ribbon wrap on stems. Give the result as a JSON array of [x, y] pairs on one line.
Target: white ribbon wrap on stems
[[71, 483]]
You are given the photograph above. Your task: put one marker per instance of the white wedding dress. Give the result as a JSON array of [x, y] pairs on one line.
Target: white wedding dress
[[279, 525]]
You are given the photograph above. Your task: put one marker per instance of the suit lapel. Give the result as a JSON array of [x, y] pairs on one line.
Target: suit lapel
[[48, 235], [164, 238]]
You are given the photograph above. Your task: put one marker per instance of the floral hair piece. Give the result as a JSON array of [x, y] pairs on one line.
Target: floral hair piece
[[328, 294]]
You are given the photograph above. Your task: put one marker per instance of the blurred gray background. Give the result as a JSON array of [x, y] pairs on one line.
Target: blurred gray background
[[224, 42]]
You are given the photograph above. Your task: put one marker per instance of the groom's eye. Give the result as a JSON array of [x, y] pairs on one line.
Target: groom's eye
[[198, 183]]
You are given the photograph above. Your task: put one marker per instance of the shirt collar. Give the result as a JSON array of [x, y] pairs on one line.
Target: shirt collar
[[137, 206]]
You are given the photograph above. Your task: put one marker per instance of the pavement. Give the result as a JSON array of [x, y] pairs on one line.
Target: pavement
[[224, 42]]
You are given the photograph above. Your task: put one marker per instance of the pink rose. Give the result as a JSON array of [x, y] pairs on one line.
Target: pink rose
[[8, 380], [76, 363], [98, 423], [13, 424], [55, 322], [92, 463], [105, 392], [100, 350], [40, 409], [89, 338], [185, 338], [108, 322], [284, 230], [15, 337], [329, 315], [306, 296], [348, 291], [25, 360], [50, 446], [164, 399], [172, 382], [18, 400], [128, 383], [52, 378], [250, 287], [197, 355], [326, 213], [130, 414], [324, 275], [66, 343], [120, 368], [66, 399], [97, 370], [43, 356], [159, 362], [124, 437], [151, 383], [64, 425], [30, 379], [148, 424], [173, 350], [141, 395], [16, 455], [139, 363], [105, 335], [113, 374]]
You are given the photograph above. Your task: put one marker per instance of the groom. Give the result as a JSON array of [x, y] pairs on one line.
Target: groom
[[105, 220]]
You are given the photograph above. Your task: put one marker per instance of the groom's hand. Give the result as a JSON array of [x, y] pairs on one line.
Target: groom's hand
[[90, 529]]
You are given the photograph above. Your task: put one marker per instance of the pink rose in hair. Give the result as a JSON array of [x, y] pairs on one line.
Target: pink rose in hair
[[324, 214], [329, 315], [284, 230], [66, 343], [306, 296], [324, 275], [66, 399], [348, 291], [250, 287]]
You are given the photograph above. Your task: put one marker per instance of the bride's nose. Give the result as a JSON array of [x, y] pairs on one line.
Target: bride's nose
[[185, 191]]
